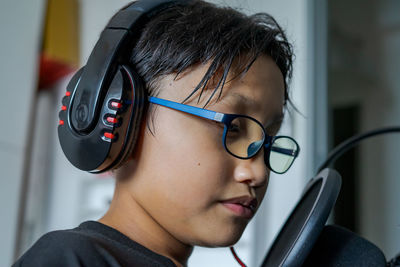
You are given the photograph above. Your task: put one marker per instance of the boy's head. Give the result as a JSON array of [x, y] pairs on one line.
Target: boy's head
[[180, 174], [183, 37], [199, 170]]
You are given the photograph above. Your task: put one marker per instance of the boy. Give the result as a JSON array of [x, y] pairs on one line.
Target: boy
[[217, 86]]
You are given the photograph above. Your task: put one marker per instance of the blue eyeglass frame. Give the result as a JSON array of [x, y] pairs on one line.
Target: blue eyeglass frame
[[226, 119]]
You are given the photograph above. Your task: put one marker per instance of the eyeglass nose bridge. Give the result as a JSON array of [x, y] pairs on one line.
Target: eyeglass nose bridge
[[268, 141], [267, 144]]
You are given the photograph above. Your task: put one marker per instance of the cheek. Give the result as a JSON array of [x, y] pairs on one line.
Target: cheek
[[189, 172], [193, 161], [186, 162]]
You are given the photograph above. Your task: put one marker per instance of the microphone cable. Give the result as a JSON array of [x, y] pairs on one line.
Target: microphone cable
[[352, 141], [237, 257]]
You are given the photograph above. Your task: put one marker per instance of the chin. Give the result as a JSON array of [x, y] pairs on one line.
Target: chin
[[232, 240], [225, 238], [226, 242]]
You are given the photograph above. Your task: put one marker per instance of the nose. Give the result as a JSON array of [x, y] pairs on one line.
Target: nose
[[252, 171]]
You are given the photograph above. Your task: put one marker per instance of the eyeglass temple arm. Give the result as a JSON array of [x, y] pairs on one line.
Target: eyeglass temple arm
[[286, 151], [204, 113]]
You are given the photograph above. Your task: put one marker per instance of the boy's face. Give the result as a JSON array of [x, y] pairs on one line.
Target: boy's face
[[184, 178]]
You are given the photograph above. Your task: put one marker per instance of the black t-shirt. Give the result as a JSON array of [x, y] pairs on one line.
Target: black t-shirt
[[90, 244]]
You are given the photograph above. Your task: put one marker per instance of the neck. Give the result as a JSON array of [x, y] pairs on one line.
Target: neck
[[128, 217]]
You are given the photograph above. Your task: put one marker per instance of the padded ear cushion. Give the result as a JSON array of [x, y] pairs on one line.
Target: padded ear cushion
[[134, 83]]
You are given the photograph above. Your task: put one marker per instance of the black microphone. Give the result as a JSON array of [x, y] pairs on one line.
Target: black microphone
[[337, 246]]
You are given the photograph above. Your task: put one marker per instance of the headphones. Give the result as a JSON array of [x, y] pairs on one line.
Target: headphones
[[102, 109]]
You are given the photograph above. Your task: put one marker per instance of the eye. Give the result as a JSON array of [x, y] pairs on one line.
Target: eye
[[234, 128], [237, 128]]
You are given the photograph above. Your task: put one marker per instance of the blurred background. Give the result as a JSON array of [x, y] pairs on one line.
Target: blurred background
[[346, 81]]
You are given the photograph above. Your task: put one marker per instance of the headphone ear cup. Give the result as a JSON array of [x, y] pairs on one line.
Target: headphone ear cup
[[117, 126], [102, 111]]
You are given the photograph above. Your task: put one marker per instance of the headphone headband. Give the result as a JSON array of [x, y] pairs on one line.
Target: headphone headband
[[103, 60], [102, 110]]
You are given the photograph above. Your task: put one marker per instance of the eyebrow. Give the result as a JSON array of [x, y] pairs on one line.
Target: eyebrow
[[242, 98], [276, 119]]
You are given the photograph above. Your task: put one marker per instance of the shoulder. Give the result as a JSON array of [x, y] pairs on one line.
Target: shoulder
[[66, 248], [90, 244]]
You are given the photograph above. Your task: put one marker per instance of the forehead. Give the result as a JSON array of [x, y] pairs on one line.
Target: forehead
[[260, 89]]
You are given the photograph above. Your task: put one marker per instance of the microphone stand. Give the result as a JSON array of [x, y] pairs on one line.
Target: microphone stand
[[350, 143]]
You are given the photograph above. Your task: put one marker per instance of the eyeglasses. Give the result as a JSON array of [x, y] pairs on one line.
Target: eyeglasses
[[244, 136]]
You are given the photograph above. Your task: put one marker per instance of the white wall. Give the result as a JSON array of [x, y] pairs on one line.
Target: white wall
[[20, 28], [380, 212], [365, 63]]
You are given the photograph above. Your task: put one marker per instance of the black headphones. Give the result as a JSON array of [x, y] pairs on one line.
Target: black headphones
[[102, 109]]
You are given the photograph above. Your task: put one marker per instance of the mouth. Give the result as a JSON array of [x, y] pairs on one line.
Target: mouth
[[244, 206]]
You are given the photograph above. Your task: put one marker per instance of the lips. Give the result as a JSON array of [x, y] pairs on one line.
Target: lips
[[244, 206]]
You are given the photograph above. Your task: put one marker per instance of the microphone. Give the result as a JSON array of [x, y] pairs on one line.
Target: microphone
[[302, 228], [337, 246], [304, 240]]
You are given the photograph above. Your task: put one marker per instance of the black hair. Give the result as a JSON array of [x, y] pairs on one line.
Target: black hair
[[179, 37]]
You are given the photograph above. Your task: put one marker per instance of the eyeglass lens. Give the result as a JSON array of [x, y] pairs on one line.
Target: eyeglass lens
[[244, 137], [283, 153]]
